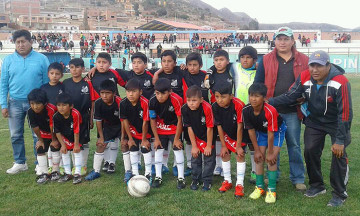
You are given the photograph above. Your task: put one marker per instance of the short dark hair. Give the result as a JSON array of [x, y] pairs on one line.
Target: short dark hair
[[133, 84], [162, 85], [221, 53], [248, 50], [108, 85], [77, 62], [139, 55], [64, 98], [226, 88], [169, 53], [38, 96], [258, 88], [22, 33], [104, 55], [194, 91], [194, 56], [56, 66]]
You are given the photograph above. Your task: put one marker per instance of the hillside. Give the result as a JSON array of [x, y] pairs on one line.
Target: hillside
[[302, 26]]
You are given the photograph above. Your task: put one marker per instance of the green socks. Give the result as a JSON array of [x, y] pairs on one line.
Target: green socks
[[272, 180], [260, 181]]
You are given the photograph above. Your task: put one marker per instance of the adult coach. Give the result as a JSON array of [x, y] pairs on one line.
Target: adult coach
[[21, 72], [329, 111], [278, 70]]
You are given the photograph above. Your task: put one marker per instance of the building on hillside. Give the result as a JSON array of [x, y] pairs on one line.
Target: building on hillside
[[15, 8], [2, 6], [163, 25], [37, 22], [58, 26], [4, 19]]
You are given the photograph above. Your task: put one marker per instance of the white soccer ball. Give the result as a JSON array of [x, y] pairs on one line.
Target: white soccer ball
[[138, 186]]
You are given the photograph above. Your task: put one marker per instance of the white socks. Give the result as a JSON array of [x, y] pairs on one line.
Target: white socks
[[55, 160], [253, 164], [227, 170], [114, 148], [179, 158], [78, 162], [218, 151], [49, 157], [240, 171], [147, 161], [134, 158], [85, 154], [107, 153], [42, 164], [165, 157], [98, 158], [126, 159], [159, 162], [188, 155], [67, 162]]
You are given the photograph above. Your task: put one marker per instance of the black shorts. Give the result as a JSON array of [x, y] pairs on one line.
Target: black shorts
[[85, 129], [42, 150], [165, 139], [137, 147]]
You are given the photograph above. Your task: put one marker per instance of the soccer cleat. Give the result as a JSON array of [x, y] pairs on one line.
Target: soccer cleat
[[217, 171], [42, 179], [111, 168], [225, 186], [257, 193], [128, 175], [239, 191], [157, 182], [313, 192], [187, 171], [206, 186], [252, 179], [175, 171], [164, 169], [335, 201], [106, 166], [83, 171], [149, 177], [181, 183], [62, 171], [92, 176], [50, 170], [77, 179], [55, 176], [65, 178], [270, 197], [194, 185], [153, 172], [16, 168]]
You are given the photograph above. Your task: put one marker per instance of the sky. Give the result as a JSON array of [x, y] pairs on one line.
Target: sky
[[345, 13]]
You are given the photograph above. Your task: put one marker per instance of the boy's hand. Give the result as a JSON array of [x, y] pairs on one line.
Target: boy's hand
[[5, 113], [76, 148], [240, 151], [207, 151], [63, 149], [55, 144], [91, 124], [338, 150], [39, 144], [100, 142], [258, 157], [157, 144], [183, 66], [195, 151], [131, 142], [207, 82], [123, 142], [271, 157], [146, 144], [224, 151], [178, 144], [91, 73]]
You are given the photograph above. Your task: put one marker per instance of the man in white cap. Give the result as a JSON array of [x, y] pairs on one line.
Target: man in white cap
[[329, 111]]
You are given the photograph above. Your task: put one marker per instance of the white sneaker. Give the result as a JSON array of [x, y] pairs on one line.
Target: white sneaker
[[16, 168], [217, 171]]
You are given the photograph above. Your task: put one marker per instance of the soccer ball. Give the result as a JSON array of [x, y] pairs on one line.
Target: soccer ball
[[138, 186]]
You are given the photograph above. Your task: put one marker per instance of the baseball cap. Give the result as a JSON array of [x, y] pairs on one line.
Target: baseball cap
[[319, 57], [284, 31]]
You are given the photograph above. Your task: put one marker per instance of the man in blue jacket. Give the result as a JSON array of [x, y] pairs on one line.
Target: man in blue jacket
[[21, 72], [328, 110]]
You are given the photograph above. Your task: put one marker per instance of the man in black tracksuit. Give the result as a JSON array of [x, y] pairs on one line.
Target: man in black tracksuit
[[327, 110]]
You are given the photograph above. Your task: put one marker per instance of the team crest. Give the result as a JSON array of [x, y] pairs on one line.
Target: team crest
[[234, 117], [112, 79], [174, 83], [265, 124], [116, 113], [203, 120], [147, 83], [72, 125], [84, 89], [60, 91], [229, 80], [171, 109], [141, 113]]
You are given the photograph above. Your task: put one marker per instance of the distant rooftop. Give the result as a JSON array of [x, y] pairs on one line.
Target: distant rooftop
[[159, 24]]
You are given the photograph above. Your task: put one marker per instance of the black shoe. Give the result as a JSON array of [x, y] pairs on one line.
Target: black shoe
[[149, 177], [336, 201], [313, 192], [194, 185], [55, 176], [111, 168], [157, 182], [42, 179], [77, 179], [106, 166], [206, 186], [65, 178], [180, 183]]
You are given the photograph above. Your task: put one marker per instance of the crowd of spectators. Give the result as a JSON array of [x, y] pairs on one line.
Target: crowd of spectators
[[52, 41], [342, 38]]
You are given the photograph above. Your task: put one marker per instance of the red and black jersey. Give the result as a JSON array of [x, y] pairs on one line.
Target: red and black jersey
[[68, 127], [136, 115], [109, 116], [199, 120], [195, 79], [43, 120], [145, 80], [166, 113], [53, 91], [177, 79], [112, 75], [218, 80], [268, 119]]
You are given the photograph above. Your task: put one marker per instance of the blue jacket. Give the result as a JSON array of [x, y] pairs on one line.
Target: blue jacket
[[20, 75]]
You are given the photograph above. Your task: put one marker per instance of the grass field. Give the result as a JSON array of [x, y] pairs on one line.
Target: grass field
[[20, 195]]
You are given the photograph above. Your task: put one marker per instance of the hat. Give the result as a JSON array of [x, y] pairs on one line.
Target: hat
[[319, 57], [284, 31]]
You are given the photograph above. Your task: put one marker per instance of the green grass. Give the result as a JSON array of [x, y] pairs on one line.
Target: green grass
[[20, 195]]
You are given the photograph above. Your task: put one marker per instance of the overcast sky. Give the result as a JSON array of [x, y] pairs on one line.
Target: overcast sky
[[345, 13]]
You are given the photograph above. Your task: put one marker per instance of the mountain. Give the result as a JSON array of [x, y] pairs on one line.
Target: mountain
[[302, 26]]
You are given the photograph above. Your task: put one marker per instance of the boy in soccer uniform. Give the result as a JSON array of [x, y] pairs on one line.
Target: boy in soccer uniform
[[40, 117], [53, 89], [83, 96], [106, 115], [198, 118], [166, 125], [228, 118], [67, 122], [267, 131], [134, 113]]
